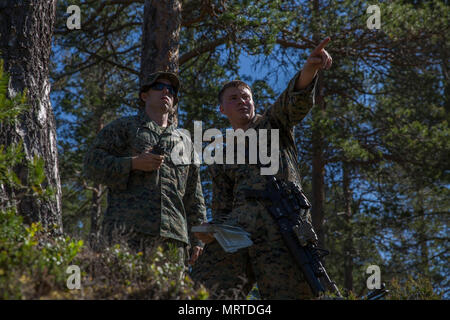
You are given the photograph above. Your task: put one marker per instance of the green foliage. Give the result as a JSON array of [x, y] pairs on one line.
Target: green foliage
[[386, 116], [412, 289], [31, 264], [385, 112], [89, 95], [8, 159], [9, 111], [115, 272], [36, 179], [28, 265], [12, 156], [9, 108], [254, 293]]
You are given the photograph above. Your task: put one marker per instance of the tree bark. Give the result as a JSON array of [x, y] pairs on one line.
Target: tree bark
[[318, 158], [96, 212], [421, 233], [98, 189], [348, 245], [25, 44], [161, 39], [318, 166]]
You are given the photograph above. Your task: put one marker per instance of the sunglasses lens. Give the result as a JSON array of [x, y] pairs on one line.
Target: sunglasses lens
[[160, 86], [171, 90]]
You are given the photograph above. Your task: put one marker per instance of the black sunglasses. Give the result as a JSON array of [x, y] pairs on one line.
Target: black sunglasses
[[159, 86]]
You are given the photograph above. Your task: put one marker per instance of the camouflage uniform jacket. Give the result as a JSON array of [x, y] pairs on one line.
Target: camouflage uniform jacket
[[232, 182], [164, 202]]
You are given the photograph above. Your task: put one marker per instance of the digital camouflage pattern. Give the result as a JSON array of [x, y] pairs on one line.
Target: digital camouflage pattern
[[267, 261], [164, 202]]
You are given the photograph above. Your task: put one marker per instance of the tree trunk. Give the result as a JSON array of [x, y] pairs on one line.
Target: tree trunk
[[25, 43], [422, 233], [96, 211], [348, 245], [98, 189], [318, 159], [318, 166], [96, 206], [161, 39]]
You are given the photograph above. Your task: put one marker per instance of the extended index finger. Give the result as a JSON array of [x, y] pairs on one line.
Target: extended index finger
[[322, 44]]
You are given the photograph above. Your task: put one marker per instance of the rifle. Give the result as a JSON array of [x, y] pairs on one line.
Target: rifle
[[376, 293], [289, 207]]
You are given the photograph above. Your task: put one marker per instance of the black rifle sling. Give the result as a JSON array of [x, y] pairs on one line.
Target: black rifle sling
[[289, 212]]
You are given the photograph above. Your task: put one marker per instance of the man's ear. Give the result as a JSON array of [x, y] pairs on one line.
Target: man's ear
[[222, 110], [143, 96]]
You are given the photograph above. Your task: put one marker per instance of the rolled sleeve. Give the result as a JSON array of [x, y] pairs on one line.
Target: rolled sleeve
[[292, 105]]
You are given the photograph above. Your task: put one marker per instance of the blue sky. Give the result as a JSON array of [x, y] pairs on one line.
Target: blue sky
[[260, 71]]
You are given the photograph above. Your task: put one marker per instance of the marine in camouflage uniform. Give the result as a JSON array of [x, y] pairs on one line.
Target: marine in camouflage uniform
[[267, 261], [148, 207]]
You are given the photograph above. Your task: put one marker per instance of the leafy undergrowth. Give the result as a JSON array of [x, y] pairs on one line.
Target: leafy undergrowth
[[413, 289], [35, 266]]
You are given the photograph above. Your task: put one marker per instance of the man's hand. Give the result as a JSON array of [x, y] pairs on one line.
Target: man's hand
[[147, 162], [205, 237], [318, 59], [196, 252]]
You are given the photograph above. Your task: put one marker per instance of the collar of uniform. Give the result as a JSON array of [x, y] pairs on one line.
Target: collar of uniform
[[255, 120], [152, 125]]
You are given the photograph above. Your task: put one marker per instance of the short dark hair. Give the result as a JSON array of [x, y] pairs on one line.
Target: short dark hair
[[232, 84]]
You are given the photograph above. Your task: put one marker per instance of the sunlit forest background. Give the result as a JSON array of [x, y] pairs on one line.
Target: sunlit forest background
[[374, 151]]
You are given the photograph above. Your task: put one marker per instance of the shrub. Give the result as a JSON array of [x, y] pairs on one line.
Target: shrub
[[33, 263], [412, 289]]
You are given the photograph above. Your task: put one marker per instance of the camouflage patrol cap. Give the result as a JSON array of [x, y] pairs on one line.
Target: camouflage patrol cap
[[151, 79]]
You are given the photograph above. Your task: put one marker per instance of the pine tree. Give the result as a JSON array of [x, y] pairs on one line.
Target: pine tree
[[376, 145], [25, 45]]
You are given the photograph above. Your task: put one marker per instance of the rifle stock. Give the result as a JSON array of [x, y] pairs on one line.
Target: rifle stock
[[298, 234]]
